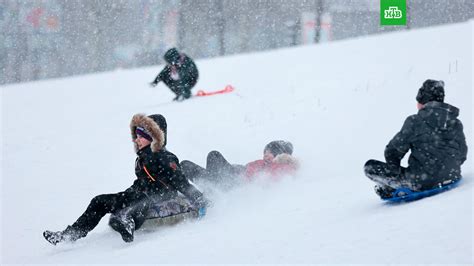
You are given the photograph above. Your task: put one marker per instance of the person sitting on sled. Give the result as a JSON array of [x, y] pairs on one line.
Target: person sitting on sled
[[159, 178], [438, 147], [277, 161], [180, 74]]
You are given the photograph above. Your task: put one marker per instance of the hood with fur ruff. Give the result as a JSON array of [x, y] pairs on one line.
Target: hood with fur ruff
[[154, 125]]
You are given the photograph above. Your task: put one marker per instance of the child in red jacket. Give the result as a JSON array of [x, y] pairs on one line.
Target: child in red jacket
[[277, 161]]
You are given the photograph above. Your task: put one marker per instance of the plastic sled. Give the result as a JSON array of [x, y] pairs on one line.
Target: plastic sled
[[170, 212], [227, 89], [405, 194]]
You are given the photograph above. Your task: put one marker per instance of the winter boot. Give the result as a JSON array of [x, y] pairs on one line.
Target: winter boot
[[124, 225], [187, 94], [70, 234], [178, 98], [384, 192]]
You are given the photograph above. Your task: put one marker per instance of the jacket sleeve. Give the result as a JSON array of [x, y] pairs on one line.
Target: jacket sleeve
[[252, 169], [139, 185], [162, 74], [400, 143], [462, 143], [180, 182]]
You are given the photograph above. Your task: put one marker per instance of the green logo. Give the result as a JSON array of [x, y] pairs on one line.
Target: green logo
[[393, 12]]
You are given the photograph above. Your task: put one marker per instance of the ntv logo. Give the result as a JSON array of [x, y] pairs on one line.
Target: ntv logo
[[393, 13]]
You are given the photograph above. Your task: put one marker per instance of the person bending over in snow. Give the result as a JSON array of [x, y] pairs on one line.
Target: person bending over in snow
[[159, 178], [277, 161], [180, 74], [437, 143]]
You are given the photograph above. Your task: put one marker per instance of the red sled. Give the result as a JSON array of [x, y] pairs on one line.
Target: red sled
[[227, 89]]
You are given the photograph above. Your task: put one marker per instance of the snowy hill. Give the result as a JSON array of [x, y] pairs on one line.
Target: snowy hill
[[67, 140]]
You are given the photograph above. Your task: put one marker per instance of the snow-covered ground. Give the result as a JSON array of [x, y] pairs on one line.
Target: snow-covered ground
[[67, 140]]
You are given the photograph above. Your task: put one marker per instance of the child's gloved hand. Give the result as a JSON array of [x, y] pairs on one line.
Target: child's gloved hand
[[202, 212], [201, 205], [154, 83]]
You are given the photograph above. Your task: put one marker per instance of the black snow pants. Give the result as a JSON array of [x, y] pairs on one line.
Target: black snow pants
[[180, 88], [100, 206], [217, 169], [386, 176]]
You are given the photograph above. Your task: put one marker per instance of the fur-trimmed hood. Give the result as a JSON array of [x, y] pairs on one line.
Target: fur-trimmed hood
[[155, 125]]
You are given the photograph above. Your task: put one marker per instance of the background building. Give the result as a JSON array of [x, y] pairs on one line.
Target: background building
[[53, 38]]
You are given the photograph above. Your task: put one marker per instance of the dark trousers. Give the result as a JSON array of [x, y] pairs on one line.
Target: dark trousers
[[217, 168], [179, 87], [135, 214], [185, 91], [99, 207], [384, 175]]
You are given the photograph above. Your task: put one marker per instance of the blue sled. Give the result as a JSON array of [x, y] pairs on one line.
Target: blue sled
[[408, 195]]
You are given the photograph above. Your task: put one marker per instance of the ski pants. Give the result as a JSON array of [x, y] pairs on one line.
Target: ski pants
[[383, 175], [217, 167], [180, 87], [135, 214], [100, 206]]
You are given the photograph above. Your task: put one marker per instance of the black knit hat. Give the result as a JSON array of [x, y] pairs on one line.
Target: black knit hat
[[277, 147], [161, 122], [432, 90], [172, 56]]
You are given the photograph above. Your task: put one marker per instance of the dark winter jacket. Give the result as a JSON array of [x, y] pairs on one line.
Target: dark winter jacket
[[184, 74], [438, 146], [158, 171]]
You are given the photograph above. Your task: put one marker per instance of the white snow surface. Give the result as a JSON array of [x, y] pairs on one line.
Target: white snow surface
[[66, 140]]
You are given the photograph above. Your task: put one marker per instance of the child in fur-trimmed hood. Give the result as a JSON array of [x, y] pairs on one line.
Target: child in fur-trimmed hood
[[159, 178]]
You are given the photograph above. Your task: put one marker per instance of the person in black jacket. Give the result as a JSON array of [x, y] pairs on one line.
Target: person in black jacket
[[180, 74], [159, 177], [437, 143]]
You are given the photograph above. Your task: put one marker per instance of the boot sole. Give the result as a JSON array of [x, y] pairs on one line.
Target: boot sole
[[126, 236], [47, 235]]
